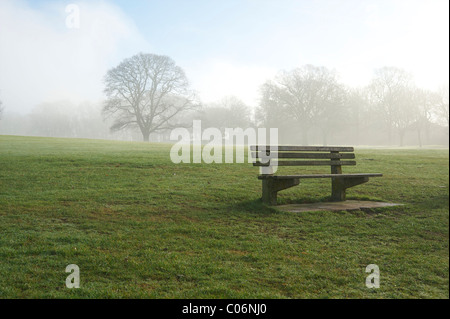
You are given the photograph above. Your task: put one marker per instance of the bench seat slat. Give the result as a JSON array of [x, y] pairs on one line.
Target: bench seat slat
[[290, 148], [320, 176], [307, 163], [305, 155]]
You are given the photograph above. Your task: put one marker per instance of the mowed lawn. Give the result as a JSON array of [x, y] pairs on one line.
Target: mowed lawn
[[139, 226]]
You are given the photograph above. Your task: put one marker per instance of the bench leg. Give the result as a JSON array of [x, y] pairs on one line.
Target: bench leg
[[270, 188], [339, 185], [269, 196]]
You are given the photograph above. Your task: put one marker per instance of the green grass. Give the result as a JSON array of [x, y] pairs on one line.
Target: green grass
[[139, 226]]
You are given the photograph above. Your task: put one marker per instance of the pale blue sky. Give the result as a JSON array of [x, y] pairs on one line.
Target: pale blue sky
[[226, 47]]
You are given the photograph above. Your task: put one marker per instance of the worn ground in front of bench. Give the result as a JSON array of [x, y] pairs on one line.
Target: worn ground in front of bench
[[348, 205]]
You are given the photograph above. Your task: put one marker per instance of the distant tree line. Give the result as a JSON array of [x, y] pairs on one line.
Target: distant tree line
[[62, 119], [147, 95], [311, 101]]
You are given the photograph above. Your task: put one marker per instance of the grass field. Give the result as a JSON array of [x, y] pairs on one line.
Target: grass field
[[139, 226]]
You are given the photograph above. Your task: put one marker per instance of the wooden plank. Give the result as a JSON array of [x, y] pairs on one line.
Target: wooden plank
[[320, 176], [292, 148], [305, 155], [307, 163]]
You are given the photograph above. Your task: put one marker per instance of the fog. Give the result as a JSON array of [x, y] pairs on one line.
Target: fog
[[358, 73]]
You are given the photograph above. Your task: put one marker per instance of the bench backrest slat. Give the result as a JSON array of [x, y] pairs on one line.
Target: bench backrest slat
[[287, 148], [307, 163], [307, 155], [287, 155]]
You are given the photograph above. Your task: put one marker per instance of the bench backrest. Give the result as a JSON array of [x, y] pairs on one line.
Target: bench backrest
[[334, 156]]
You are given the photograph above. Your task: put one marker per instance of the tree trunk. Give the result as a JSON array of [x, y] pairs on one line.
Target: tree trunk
[[401, 135], [145, 135], [419, 137], [427, 132]]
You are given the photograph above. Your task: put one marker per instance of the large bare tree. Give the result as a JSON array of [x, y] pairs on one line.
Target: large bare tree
[[392, 93], [423, 104], [310, 95], [146, 91]]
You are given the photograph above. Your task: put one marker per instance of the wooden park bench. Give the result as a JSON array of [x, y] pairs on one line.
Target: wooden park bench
[[335, 157]]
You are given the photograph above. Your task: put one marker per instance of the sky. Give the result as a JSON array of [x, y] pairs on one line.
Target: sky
[[225, 47]]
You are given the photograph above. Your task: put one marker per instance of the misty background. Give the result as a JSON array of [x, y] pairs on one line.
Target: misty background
[[323, 72]]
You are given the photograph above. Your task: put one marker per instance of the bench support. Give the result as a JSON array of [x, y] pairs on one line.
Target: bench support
[[270, 188], [339, 185]]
